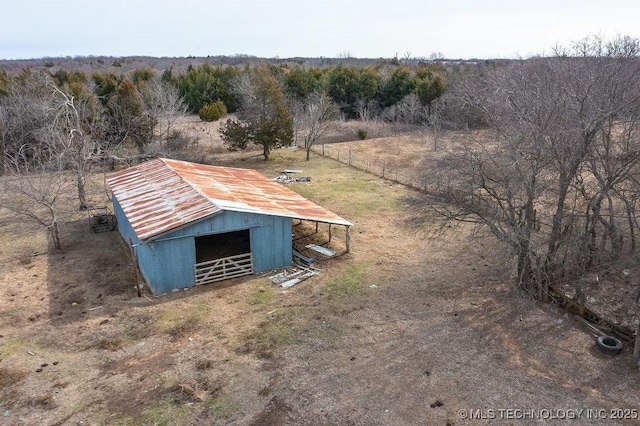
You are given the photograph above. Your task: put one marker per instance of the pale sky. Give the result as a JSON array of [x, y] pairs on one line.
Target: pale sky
[[290, 28]]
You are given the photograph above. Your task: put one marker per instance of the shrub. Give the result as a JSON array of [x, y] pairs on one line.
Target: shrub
[[178, 141], [212, 112], [362, 134]]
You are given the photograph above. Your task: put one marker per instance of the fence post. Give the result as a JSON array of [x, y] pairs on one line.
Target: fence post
[[384, 165]]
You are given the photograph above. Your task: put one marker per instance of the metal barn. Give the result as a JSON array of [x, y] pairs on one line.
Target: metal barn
[[191, 224]]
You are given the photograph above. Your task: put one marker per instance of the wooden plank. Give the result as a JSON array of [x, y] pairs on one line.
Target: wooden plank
[[322, 250], [223, 269], [229, 268], [223, 259], [301, 256], [574, 307], [222, 272], [290, 283], [595, 332], [222, 278]]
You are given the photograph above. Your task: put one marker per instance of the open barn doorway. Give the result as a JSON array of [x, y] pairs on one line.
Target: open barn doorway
[[223, 256], [216, 246]]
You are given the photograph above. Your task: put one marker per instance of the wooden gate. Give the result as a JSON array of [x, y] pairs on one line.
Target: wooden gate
[[223, 269]]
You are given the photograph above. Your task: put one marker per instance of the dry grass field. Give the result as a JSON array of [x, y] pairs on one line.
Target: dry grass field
[[417, 325]]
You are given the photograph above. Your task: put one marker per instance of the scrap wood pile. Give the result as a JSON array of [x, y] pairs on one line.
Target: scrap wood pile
[[289, 277], [593, 318], [286, 177]]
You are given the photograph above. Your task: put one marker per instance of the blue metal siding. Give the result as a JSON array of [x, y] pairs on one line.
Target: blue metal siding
[[271, 244], [167, 263], [124, 227], [224, 222]]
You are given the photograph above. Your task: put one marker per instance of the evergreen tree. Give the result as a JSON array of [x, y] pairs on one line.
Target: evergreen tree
[[263, 117]]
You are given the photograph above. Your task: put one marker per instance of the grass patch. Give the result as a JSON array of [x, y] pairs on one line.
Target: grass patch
[[182, 320], [166, 413], [262, 296], [272, 334], [16, 346], [222, 407], [347, 282], [276, 334], [332, 184]]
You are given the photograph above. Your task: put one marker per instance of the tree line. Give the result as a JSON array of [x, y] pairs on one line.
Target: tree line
[[128, 109], [555, 173], [54, 126]]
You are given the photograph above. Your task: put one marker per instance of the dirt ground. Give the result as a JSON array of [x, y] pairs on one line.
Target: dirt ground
[[414, 326]]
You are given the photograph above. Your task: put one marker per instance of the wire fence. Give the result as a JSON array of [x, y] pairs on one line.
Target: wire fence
[[377, 166]]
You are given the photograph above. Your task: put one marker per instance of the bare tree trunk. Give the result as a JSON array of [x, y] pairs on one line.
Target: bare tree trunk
[[54, 234], [632, 225], [555, 238], [82, 195], [636, 345]]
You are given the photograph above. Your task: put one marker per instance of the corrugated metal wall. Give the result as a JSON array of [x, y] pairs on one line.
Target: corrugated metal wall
[[124, 227], [167, 263]]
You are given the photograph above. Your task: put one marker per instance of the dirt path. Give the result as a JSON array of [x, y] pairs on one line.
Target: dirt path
[[443, 333]]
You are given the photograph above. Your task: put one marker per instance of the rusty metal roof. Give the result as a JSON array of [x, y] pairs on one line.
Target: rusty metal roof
[[162, 194]]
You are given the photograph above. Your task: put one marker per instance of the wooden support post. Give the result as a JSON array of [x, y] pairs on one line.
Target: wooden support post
[[347, 240], [636, 346], [316, 227], [134, 261], [330, 233], [582, 302]]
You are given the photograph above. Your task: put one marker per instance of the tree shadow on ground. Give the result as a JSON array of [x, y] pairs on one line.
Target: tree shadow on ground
[[91, 274]]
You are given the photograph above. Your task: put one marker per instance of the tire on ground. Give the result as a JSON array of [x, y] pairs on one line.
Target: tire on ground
[[609, 345]]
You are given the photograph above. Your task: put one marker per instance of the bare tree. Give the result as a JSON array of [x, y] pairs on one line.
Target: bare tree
[[73, 135], [313, 118], [366, 110], [25, 110], [164, 102], [34, 192], [437, 120], [409, 110], [47, 126], [559, 164]]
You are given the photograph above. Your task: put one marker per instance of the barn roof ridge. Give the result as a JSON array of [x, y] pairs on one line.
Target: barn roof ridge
[[195, 188]]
